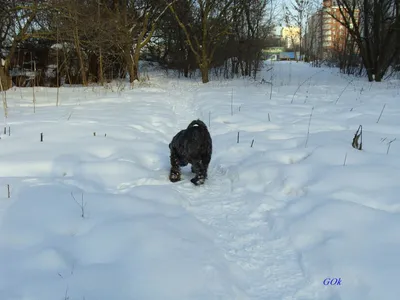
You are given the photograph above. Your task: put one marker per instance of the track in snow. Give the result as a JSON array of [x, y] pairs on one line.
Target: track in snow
[[266, 265]]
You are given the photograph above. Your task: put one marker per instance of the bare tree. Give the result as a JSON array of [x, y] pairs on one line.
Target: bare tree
[[169, 45], [252, 32], [213, 15], [313, 36], [296, 15], [16, 19], [130, 27], [374, 26], [101, 39], [346, 54], [6, 22]]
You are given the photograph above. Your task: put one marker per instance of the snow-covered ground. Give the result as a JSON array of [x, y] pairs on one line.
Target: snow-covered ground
[[92, 215]]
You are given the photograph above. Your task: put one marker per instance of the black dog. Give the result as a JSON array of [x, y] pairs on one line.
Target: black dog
[[192, 145]]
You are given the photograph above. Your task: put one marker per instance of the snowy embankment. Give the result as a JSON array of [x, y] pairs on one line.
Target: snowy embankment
[[92, 215]]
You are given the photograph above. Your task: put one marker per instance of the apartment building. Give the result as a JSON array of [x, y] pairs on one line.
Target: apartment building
[[313, 41], [325, 35]]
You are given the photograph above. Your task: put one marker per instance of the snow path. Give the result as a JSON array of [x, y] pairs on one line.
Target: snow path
[[267, 265]]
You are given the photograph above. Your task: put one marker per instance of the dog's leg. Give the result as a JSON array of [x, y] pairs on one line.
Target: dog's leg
[[205, 163], [175, 172], [201, 173]]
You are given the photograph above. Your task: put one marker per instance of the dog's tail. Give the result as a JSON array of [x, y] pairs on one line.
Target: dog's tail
[[197, 123]]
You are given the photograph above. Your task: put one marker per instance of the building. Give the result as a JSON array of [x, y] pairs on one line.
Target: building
[[312, 41], [325, 35]]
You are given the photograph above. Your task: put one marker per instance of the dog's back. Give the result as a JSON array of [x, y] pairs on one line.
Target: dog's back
[[196, 135], [198, 123], [192, 145], [197, 138]]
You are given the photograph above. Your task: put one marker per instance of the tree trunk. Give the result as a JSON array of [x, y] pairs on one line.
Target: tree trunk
[[93, 68], [82, 67], [204, 72], [135, 72], [80, 58], [136, 58], [366, 61], [131, 68], [100, 70], [5, 79], [131, 73], [370, 74], [379, 71]]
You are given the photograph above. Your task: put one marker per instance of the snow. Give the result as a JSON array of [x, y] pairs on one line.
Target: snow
[[92, 214]]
